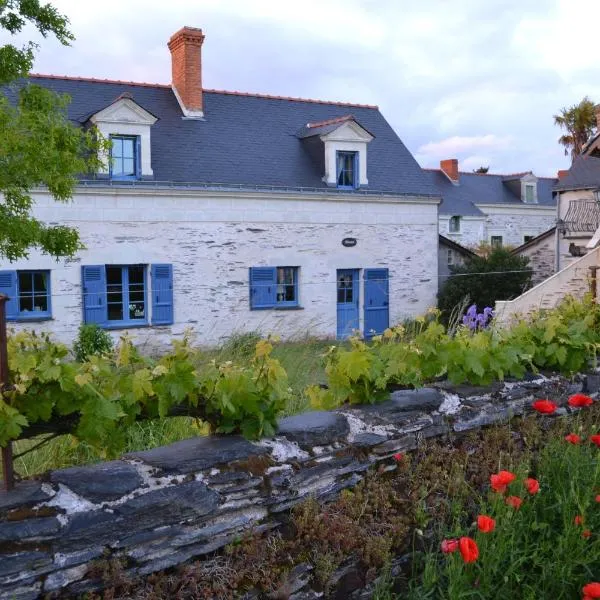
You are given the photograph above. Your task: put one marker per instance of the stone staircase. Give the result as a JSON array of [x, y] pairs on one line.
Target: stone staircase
[[573, 280]]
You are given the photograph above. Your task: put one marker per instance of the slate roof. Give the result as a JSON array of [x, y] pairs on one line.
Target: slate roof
[[583, 174], [479, 188], [247, 140], [533, 241]]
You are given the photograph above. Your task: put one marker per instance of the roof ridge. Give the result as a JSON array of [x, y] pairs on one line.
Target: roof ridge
[[491, 174], [207, 90], [330, 121]]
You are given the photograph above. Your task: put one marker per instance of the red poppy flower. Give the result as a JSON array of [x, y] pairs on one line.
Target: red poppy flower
[[449, 546], [468, 549], [591, 590], [514, 501], [532, 485], [500, 480], [546, 407], [597, 498], [586, 533], [398, 456], [580, 400], [573, 438], [595, 439], [578, 520], [485, 524]]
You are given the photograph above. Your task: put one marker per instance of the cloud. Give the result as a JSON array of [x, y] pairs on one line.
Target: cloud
[[458, 145], [484, 78]]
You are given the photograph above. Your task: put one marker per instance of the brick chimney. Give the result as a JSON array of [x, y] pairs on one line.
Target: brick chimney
[[562, 173], [186, 67], [450, 168]]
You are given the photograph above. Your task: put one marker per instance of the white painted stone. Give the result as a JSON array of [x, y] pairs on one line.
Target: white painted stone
[[283, 450], [450, 405], [212, 238]]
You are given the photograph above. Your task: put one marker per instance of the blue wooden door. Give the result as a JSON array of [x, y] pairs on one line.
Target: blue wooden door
[[347, 302], [377, 310]]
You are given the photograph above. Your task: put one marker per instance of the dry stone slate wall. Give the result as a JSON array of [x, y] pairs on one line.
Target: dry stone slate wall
[[155, 509]]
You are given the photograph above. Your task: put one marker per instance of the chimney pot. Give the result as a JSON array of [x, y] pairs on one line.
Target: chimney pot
[[186, 68], [562, 173], [450, 168]]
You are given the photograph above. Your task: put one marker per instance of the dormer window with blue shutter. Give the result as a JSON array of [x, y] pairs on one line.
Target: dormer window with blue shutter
[[273, 287], [28, 295], [125, 157], [117, 296]]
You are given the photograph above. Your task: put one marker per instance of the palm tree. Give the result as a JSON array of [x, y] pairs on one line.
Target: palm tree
[[579, 121]]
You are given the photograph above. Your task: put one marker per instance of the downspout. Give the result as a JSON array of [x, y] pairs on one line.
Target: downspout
[[559, 230]]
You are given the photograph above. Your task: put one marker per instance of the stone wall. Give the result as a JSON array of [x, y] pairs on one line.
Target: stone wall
[[212, 238], [541, 255], [155, 509]]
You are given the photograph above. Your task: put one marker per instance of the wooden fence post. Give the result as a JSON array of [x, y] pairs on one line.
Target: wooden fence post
[[7, 457]]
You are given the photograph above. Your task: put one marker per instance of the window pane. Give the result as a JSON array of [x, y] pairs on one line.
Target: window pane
[[128, 145], [25, 303], [128, 168], [39, 282], [25, 282], [529, 193], [117, 147], [114, 292], [286, 288], [137, 308], [40, 302]]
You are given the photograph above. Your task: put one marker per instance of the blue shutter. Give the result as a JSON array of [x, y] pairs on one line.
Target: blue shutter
[[376, 301], [263, 287], [94, 294], [138, 157], [8, 287], [162, 294]]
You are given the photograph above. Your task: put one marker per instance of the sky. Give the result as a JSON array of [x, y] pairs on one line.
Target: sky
[[474, 80]]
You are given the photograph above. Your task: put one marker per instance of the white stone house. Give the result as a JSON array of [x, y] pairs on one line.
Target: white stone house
[[505, 210], [227, 212]]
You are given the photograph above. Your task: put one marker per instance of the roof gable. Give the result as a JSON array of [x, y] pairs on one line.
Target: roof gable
[[124, 110]]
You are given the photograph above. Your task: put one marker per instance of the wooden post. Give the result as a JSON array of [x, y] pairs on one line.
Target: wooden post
[[594, 282], [7, 457]]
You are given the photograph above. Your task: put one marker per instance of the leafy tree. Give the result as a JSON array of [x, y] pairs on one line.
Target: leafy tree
[[579, 122], [39, 146], [481, 170], [499, 275]]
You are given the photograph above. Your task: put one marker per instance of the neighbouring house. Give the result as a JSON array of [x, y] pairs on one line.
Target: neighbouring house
[[450, 254], [227, 212], [577, 236], [502, 210], [540, 251]]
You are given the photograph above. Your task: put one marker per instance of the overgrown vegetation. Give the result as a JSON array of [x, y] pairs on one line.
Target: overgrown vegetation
[[103, 401], [499, 275], [435, 492], [91, 340]]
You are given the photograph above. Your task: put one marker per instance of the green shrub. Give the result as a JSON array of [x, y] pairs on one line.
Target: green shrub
[[91, 341], [500, 275]]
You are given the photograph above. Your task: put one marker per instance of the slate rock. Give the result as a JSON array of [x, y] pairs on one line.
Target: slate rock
[[516, 393], [102, 482], [22, 592], [23, 561], [421, 399], [591, 384], [465, 390], [316, 428], [29, 528], [93, 528], [196, 454], [177, 503], [25, 493], [368, 439]]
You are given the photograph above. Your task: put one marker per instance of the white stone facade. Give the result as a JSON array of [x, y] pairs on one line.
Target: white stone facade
[[472, 230], [212, 238]]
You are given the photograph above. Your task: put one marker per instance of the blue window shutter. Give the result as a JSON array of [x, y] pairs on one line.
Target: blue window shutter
[[263, 287], [138, 157], [8, 287], [162, 294], [94, 294]]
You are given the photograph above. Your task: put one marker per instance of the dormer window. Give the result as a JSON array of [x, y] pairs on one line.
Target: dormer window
[[529, 193], [347, 170], [125, 157], [454, 224], [339, 146], [127, 125]]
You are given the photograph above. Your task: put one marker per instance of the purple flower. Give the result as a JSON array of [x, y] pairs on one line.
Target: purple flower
[[475, 321]]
